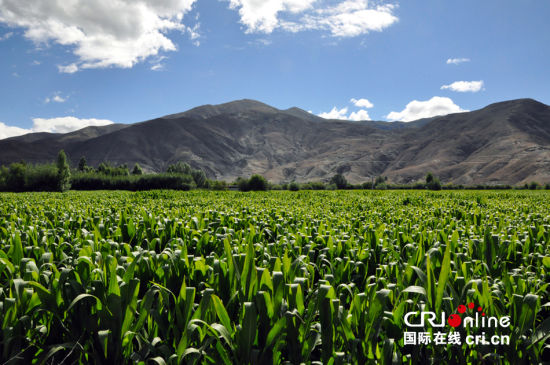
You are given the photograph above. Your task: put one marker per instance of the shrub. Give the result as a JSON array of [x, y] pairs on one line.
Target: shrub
[[366, 185], [16, 177], [94, 181], [257, 183], [199, 177], [379, 180], [339, 180], [316, 185], [432, 182], [332, 187], [42, 178], [242, 183], [293, 186], [164, 181], [419, 186], [107, 169], [137, 170], [179, 168], [218, 185], [381, 186]]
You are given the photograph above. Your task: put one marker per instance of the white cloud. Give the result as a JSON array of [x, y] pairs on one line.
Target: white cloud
[[194, 32], [101, 33], [6, 36], [425, 109], [56, 98], [52, 125], [349, 18], [335, 113], [464, 86], [7, 131], [262, 15], [342, 114], [157, 67], [65, 124], [457, 61], [361, 114], [69, 69], [362, 103]]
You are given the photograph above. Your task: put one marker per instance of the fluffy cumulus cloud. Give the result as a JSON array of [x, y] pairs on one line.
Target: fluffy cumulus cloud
[[335, 113], [262, 15], [361, 103], [348, 18], [464, 86], [357, 115], [7, 131], [425, 109], [457, 61], [114, 33], [52, 125], [361, 114], [66, 124]]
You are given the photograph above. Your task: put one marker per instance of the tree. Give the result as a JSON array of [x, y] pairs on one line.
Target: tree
[[63, 172], [293, 186], [379, 181], [218, 185], [103, 168], [179, 168], [429, 178], [200, 178], [242, 183], [82, 164], [339, 180], [257, 183], [137, 170], [432, 182], [16, 177]]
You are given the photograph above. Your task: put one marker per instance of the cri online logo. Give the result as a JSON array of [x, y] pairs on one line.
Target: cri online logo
[[479, 320]]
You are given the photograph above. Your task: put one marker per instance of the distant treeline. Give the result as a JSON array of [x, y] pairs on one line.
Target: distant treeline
[[431, 182], [21, 176]]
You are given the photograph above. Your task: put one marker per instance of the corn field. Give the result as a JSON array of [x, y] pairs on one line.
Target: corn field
[[273, 277]]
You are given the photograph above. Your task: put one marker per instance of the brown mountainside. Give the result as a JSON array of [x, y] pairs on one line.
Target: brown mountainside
[[503, 143]]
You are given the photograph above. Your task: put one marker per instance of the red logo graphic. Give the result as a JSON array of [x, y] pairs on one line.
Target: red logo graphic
[[455, 320]]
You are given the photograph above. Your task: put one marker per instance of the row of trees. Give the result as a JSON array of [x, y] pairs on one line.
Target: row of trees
[[45, 177], [381, 183], [180, 176], [59, 177], [21, 176]]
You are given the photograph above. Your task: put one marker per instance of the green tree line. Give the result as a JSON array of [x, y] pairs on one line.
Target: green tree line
[[20, 176]]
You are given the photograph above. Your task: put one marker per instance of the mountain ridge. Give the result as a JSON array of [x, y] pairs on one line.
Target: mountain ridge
[[502, 143]]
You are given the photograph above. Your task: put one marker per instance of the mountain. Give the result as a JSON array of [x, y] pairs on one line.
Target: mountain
[[503, 143]]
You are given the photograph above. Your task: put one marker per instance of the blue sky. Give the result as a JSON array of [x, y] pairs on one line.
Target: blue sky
[[65, 65]]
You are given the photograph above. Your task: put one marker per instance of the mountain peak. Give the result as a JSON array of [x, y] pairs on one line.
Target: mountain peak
[[232, 107], [504, 143], [517, 103]]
